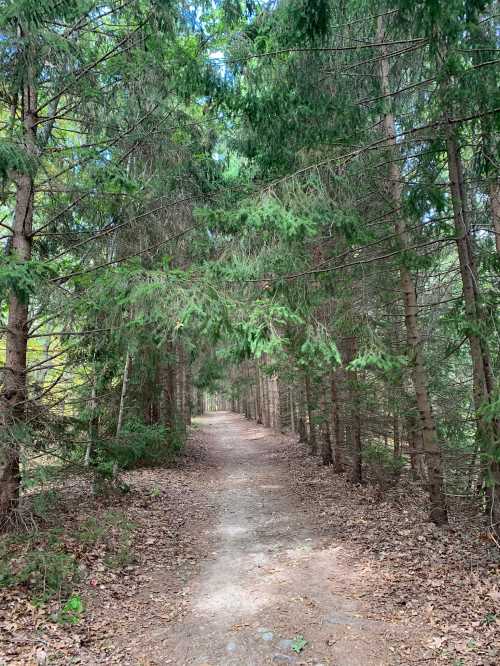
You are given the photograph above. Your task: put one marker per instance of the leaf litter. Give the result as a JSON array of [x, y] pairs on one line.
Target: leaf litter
[[442, 584]]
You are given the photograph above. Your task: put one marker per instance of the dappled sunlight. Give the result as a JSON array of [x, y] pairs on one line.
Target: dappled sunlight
[[232, 530], [267, 560], [249, 325], [232, 599]]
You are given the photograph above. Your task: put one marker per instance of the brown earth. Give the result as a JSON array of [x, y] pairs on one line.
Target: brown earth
[[247, 548], [269, 576]]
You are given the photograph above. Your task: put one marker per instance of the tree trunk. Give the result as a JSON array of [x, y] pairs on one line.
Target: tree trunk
[[396, 435], [188, 393], [292, 409], [14, 395], [275, 403], [258, 396], [121, 410], [355, 446], [265, 393], [310, 416], [484, 385], [495, 212], [301, 430], [481, 366], [93, 433], [200, 403], [123, 396], [438, 512], [301, 425], [168, 410], [181, 381], [483, 380], [338, 440], [326, 441]]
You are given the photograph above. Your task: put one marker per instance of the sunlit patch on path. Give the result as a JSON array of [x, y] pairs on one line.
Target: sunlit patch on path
[[269, 580]]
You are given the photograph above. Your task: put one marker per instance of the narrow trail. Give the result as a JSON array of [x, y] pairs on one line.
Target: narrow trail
[[268, 576]]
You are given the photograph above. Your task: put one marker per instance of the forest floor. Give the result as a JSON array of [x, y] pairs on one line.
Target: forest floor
[[247, 552]]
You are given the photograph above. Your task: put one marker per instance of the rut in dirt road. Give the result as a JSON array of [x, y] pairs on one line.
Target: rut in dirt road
[[268, 578]]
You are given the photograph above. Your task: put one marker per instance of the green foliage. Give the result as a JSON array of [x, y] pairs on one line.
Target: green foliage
[[489, 618], [22, 277], [44, 502], [210, 373], [44, 568], [351, 226], [310, 18], [44, 563], [139, 444], [435, 17], [490, 411], [39, 475], [92, 530], [33, 14], [386, 466], [14, 159], [299, 643], [260, 333], [268, 219], [318, 353], [378, 360], [115, 532], [72, 611], [192, 213], [120, 552]]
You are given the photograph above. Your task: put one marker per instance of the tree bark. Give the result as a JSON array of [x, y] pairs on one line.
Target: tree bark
[[188, 392], [168, 406], [181, 381], [93, 423], [396, 435], [292, 409], [483, 379], [484, 385], [301, 424], [355, 445], [258, 396], [123, 396], [313, 445], [14, 395], [265, 393], [495, 212], [326, 440], [338, 440], [438, 511]]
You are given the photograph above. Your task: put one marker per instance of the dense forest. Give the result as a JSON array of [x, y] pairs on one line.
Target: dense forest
[[284, 209]]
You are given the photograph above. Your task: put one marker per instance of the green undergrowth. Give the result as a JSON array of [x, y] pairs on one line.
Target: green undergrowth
[[386, 468], [50, 565], [140, 445]]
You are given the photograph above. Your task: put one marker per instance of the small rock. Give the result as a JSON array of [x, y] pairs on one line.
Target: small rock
[[267, 636], [282, 659], [285, 644], [41, 657], [231, 647]]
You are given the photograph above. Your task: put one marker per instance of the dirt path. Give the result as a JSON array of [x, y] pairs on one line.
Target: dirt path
[[268, 576], [245, 542]]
